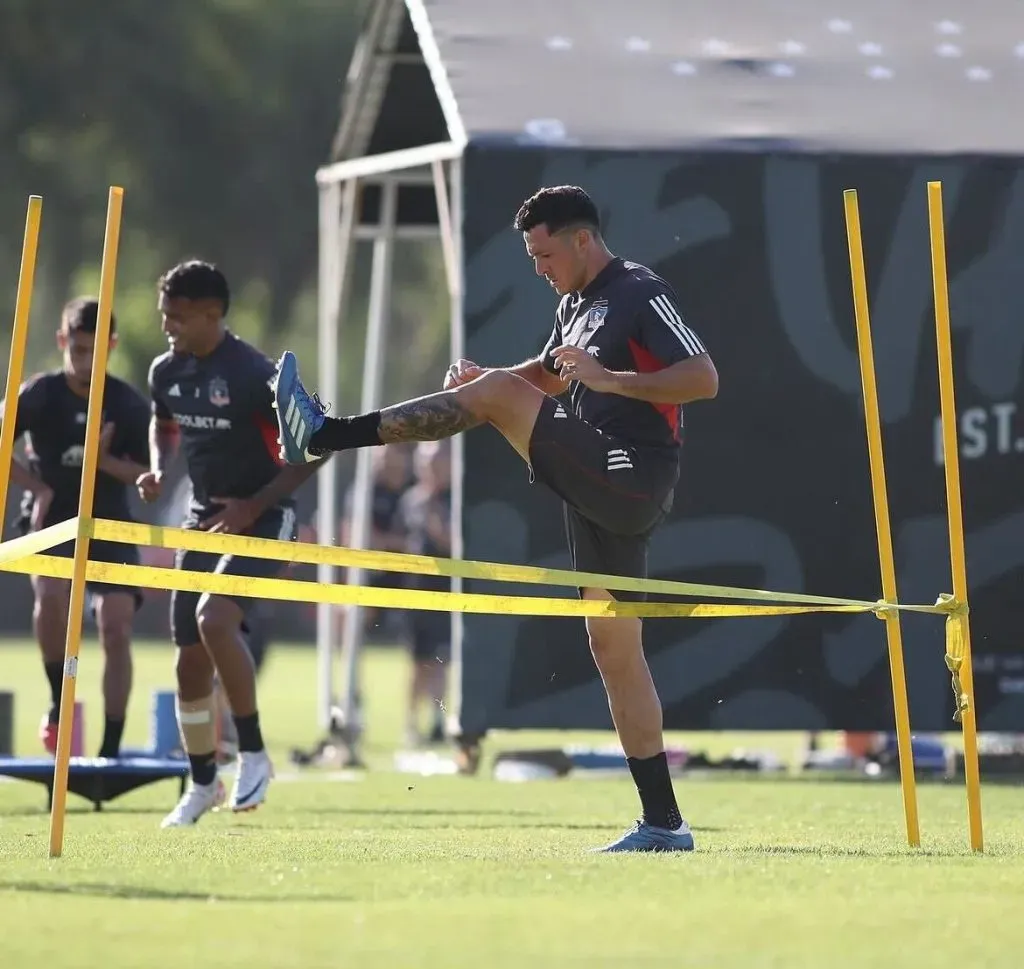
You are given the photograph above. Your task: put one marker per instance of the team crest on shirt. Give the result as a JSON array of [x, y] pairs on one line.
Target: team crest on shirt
[[219, 395], [595, 315]]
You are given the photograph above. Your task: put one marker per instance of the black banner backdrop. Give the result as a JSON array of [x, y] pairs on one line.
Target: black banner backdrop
[[775, 487]]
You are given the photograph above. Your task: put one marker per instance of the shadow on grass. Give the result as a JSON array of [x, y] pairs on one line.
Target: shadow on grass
[[409, 820], [838, 851], [420, 812], [541, 819], [85, 811], [141, 892]]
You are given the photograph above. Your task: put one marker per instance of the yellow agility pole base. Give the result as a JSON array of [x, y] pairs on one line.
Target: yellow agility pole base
[[26, 554]]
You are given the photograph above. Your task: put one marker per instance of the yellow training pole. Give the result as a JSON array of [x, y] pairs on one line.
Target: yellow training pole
[[879, 494], [954, 509], [93, 426], [19, 338]]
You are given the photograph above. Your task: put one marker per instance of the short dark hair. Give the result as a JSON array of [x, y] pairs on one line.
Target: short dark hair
[[196, 279], [558, 207], [80, 316]]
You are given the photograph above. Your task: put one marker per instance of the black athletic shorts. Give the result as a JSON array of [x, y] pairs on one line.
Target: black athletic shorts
[[615, 493], [277, 523], [101, 551]]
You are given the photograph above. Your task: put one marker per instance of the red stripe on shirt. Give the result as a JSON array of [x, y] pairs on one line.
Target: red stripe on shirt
[[647, 362], [268, 431]]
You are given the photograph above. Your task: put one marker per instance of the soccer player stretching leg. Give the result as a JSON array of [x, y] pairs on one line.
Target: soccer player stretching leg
[[622, 349]]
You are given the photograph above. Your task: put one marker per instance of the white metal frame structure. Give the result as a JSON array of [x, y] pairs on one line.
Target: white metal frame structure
[[338, 186]]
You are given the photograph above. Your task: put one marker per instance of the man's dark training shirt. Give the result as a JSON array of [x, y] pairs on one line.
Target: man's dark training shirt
[[53, 417], [628, 318], [223, 405]]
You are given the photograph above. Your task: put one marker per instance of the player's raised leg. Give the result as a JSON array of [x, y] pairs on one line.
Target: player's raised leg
[[506, 399]]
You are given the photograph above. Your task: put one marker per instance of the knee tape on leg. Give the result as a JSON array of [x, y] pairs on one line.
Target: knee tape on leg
[[197, 724]]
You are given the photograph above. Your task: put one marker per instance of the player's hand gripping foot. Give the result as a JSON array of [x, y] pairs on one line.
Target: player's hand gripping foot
[[299, 414], [252, 780], [645, 837], [194, 803]]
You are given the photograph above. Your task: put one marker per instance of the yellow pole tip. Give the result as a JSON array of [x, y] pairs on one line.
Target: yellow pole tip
[[35, 198], [117, 190]]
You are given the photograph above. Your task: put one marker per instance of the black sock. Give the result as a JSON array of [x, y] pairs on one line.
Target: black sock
[[343, 433], [55, 674], [204, 768], [654, 785], [112, 730], [250, 739]]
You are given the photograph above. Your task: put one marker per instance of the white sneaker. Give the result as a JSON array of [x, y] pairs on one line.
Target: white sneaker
[[252, 780], [194, 803]]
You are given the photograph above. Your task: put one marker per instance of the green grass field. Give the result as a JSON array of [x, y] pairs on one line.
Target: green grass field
[[391, 870]]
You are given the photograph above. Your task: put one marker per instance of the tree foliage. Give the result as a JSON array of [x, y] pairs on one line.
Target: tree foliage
[[213, 115]]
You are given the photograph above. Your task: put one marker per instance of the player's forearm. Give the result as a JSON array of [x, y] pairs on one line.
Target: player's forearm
[[163, 445], [681, 383], [124, 469], [534, 372], [287, 480]]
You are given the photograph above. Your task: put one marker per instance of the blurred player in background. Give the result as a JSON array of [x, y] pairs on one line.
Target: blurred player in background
[[392, 476], [622, 350], [52, 410], [425, 512], [211, 390]]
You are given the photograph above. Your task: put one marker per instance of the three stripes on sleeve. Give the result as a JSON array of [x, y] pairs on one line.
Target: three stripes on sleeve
[[666, 310]]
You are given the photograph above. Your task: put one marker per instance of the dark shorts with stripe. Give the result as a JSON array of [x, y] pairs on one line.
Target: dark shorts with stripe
[[615, 494], [115, 553], [278, 523]]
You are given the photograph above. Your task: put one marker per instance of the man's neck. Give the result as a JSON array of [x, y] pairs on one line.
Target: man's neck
[[596, 265], [222, 335], [77, 386]]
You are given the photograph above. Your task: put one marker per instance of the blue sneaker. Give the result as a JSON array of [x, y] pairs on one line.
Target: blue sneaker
[[299, 414], [645, 837]]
